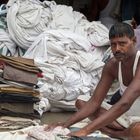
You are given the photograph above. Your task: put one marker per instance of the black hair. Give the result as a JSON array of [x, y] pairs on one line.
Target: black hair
[[121, 29]]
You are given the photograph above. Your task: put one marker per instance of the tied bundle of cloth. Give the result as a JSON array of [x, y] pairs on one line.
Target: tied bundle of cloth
[[18, 92]]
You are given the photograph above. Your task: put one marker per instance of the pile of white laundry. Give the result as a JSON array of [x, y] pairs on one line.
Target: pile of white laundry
[[63, 43]]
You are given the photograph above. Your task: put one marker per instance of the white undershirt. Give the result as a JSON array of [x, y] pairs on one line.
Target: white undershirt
[[122, 86]]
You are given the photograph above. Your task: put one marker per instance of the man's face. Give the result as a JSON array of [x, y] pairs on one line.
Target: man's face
[[122, 47]]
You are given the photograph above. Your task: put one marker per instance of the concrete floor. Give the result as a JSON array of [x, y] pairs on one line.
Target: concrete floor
[[50, 117]]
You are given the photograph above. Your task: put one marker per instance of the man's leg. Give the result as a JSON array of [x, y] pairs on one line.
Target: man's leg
[[114, 129], [114, 125], [135, 131]]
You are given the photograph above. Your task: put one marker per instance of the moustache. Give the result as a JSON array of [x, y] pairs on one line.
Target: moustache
[[118, 53]]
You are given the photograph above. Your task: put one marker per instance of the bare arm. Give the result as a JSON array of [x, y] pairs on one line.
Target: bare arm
[[94, 103], [128, 98]]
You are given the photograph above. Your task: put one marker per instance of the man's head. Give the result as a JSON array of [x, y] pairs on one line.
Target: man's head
[[121, 30], [122, 41]]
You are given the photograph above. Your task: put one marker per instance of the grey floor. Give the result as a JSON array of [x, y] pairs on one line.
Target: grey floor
[[50, 117]]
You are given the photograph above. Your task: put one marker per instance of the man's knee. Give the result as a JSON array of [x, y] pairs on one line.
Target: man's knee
[[135, 130], [79, 104]]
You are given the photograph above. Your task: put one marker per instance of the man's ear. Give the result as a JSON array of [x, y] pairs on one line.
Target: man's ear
[[134, 39]]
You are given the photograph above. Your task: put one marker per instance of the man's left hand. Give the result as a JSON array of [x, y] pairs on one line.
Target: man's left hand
[[79, 133]]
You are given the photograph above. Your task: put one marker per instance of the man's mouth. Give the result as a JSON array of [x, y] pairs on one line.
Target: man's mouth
[[119, 55]]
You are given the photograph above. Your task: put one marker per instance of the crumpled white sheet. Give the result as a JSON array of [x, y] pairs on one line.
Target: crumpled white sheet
[[40, 134], [63, 49], [56, 43], [7, 46], [33, 133], [42, 106], [62, 105], [70, 87], [66, 63], [95, 32], [69, 67], [30, 18], [64, 18], [13, 136]]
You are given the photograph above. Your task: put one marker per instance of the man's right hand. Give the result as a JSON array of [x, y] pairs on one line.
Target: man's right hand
[[54, 125]]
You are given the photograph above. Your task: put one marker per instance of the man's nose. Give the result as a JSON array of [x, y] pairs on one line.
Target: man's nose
[[117, 47]]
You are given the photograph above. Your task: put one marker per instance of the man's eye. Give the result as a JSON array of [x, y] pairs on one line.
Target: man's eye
[[122, 43], [113, 45]]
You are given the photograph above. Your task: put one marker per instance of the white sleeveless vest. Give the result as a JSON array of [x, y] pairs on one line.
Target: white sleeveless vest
[[122, 86]]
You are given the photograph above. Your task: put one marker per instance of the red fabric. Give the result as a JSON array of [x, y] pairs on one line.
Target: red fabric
[[40, 75]]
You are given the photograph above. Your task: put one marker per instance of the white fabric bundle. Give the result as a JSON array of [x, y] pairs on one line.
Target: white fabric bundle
[[65, 18], [69, 68], [34, 133], [94, 31], [56, 43], [7, 46], [60, 40], [29, 19], [40, 134]]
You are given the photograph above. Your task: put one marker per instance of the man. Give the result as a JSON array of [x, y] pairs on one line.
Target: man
[[125, 67], [137, 30], [106, 11]]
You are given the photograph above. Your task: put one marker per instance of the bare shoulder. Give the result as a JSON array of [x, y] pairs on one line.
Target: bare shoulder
[[138, 69], [112, 67]]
